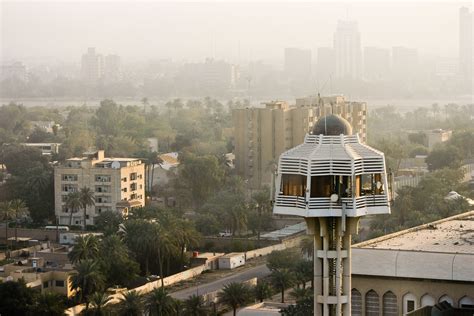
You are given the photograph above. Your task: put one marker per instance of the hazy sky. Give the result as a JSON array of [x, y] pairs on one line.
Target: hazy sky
[[229, 30]]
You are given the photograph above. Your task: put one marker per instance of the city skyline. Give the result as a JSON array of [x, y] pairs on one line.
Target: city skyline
[[246, 31]]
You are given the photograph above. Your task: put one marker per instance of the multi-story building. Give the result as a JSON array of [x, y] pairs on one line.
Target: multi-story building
[[92, 66], [325, 63], [263, 134], [118, 185], [112, 68], [348, 50], [466, 54]]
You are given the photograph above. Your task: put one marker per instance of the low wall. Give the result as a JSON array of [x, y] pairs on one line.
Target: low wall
[[193, 272]]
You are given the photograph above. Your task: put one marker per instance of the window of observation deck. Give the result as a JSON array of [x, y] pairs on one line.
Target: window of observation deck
[[293, 184], [324, 186], [369, 184]]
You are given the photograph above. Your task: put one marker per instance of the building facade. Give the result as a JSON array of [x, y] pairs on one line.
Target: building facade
[[263, 134], [422, 266], [347, 47], [92, 66], [118, 185]]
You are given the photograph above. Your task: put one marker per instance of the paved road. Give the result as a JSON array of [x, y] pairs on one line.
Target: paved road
[[256, 272]]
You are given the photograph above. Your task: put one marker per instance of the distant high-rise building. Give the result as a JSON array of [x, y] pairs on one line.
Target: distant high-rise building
[[404, 61], [297, 64], [325, 66], [92, 66], [466, 54], [112, 68], [348, 50], [263, 134], [376, 63]]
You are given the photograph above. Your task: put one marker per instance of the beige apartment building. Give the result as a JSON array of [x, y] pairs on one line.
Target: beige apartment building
[[263, 134], [118, 185]]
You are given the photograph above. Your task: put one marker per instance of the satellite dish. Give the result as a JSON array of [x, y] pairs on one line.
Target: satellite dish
[[115, 165], [334, 197]]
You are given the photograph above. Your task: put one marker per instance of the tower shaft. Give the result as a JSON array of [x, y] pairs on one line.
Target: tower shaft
[[332, 264]]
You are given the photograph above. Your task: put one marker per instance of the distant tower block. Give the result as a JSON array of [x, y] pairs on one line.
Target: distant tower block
[[331, 180]]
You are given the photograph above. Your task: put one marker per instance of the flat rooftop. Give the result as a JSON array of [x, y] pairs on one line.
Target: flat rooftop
[[450, 235]]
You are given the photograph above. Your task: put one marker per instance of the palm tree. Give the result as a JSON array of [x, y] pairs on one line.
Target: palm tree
[[131, 304], [186, 236], [86, 247], [18, 209], [159, 303], [235, 295], [6, 215], [303, 272], [262, 291], [165, 246], [307, 246], [73, 203], [49, 303], [99, 301], [87, 280], [194, 306], [281, 280], [86, 196], [261, 202]]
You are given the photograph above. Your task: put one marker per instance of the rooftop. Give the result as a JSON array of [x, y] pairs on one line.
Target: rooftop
[[450, 235]]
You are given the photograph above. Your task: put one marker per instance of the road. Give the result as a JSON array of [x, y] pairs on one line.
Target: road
[[256, 272]]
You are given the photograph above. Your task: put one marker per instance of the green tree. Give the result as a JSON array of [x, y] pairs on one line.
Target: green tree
[[19, 210], [281, 280], [99, 301], [87, 280], [119, 268], [85, 248], [194, 306], [159, 303], [86, 196], [299, 294], [283, 259], [235, 295], [16, 298], [442, 157], [131, 304], [73, 204], [262, 291], [303, 272], [6, 214], [49, 304], [108, 222]]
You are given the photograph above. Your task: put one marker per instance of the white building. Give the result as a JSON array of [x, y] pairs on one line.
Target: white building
[[92, 66]]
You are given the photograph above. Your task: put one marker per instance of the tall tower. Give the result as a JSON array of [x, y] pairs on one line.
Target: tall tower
[[331, 180], [348, 50]]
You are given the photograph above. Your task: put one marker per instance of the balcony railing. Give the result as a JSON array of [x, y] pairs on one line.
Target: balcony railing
[[324, 203]]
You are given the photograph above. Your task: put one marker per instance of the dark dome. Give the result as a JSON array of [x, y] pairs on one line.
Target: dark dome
[[332, 125]]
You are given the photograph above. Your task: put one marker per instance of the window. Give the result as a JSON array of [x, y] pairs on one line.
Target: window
[[390, 304], [372, 303], [410, 305], [69, 177], [59, 283], [102, 178], [102, 188], [293, 184], [69, 188], [369, 184], [133, 176], [124, 179], [133, 187], [45, 285], [324, 186], [356, 302]]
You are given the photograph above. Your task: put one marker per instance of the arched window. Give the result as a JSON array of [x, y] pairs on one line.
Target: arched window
[[427, 300], [409, 303], [466, 302], [356, 303], [390, 307], [446, 298], [372, 306]]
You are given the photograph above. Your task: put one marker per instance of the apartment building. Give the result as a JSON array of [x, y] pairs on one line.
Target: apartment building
[[263, 134], [118, 185]]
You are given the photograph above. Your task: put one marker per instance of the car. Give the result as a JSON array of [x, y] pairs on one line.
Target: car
[[225, 234]]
